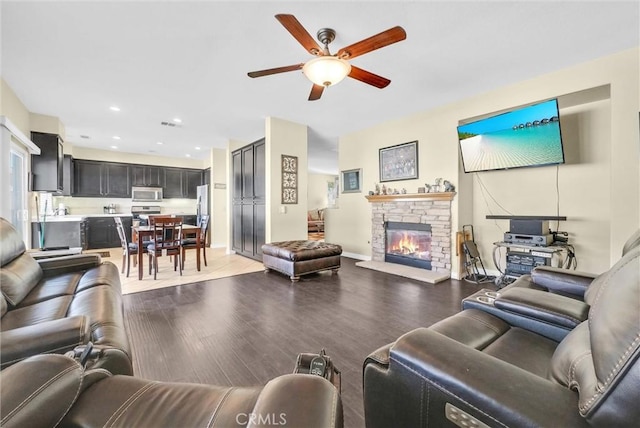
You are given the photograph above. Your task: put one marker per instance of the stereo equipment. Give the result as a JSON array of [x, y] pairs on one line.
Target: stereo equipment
[[519, 263], [535, 240]]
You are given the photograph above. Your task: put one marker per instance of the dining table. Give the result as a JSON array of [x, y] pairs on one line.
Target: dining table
[[139, 232]]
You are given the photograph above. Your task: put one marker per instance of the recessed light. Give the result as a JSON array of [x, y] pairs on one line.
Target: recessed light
[[114, 147], [188, 155], [115, 137], [197, 148], [114, 108], [177, 120], [159, 143], [86, 137]]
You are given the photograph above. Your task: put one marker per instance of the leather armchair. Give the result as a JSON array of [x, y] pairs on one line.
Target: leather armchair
[[476, 369], [53, 390]]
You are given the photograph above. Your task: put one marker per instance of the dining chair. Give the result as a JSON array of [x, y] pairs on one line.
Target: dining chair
[[191, 244], [168, 235], [128, 248]]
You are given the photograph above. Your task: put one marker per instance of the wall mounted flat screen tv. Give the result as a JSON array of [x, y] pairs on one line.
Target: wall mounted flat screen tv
[[525, 137]]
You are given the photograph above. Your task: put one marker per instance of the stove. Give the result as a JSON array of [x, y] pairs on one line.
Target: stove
[[141, 213]]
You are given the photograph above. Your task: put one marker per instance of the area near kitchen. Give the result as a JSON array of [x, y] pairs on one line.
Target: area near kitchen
[[76, 195]]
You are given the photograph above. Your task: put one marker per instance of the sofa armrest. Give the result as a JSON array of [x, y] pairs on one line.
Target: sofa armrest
[[38, 391], [493, 391], [562, 281], [60, 265], [299, 400], [55, 336], [540, 305]]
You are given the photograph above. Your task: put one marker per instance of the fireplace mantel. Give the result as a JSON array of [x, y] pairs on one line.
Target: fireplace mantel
[[412, 197]]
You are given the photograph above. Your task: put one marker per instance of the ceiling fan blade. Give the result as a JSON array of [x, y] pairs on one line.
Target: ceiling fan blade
[[368, 77], [276, 70], [296, 29], [386, 38], [316, 92]]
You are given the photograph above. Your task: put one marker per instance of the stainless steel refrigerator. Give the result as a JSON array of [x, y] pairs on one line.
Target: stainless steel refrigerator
[[202, 207]]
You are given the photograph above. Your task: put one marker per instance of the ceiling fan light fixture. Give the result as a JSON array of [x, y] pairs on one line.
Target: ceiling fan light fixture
[[326, 70]]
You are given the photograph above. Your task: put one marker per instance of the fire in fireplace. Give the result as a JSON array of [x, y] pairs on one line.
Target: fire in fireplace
[[408, 244]]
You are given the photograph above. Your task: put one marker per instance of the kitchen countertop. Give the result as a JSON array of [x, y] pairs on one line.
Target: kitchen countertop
[[70, 217]]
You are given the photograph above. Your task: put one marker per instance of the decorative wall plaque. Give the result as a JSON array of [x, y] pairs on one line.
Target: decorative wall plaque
[[289, 179]]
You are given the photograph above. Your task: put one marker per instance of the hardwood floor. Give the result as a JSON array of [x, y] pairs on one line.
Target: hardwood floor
[[247, 329]]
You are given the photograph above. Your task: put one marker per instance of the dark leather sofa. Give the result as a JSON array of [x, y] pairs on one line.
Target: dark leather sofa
[[479, 368], [52, 390], [56, 304]]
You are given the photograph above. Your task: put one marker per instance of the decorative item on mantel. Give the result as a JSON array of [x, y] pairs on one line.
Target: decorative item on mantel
[[438, 186]]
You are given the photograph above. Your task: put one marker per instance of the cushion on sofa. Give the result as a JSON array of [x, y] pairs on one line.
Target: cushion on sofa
[[18, 277], [11, 243], [48, 310]]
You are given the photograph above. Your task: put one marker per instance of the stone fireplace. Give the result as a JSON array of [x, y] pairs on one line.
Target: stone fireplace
[[408, 244], [423, 210]]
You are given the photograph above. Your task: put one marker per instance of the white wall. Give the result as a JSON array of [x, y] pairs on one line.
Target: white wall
[[600, 194], [218, 227], [317, 190], [285, 138]]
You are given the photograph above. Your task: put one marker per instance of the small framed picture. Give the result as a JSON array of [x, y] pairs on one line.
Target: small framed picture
[[399, 162], [351, 181]]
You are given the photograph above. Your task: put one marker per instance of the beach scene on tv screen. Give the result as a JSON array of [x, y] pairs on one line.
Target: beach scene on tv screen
[[525, 137]]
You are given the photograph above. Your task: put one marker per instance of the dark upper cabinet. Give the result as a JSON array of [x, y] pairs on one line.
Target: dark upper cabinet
[[206, 176], [47, 168], [114, 180], [173, 183], [87, 178], [117, 182], [101, 179], [67, 177], [192, 179], [145, 175]]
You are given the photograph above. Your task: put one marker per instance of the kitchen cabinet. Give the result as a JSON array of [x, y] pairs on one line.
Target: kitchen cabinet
[[47, 168], [101, 179], [117, 180], [67, 176], [87, 178], [173, 186], [145, 175], [102, 232], [192, 179], [248, 200], [70, 234]]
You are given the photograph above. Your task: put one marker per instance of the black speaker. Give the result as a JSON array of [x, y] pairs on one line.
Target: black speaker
[[529, 227]]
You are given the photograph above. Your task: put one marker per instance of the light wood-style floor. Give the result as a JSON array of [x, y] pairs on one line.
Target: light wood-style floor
[[220, 265]]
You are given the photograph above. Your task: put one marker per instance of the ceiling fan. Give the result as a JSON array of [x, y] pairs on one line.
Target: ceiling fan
[[326, 69]]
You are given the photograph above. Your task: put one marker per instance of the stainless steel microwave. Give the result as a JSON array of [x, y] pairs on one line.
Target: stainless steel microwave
[[146, 194]]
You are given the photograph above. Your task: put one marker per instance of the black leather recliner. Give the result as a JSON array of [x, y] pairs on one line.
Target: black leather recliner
[[52, 390], [476, 369]]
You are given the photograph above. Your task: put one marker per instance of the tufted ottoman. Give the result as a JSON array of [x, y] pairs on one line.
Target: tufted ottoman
[[296, 258]]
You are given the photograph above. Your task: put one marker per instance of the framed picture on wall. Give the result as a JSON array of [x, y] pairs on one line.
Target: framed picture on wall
[[289, 179], [399, 162], [351, 180]]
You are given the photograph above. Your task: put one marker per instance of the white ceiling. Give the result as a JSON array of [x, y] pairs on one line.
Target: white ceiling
[[157, 60]]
